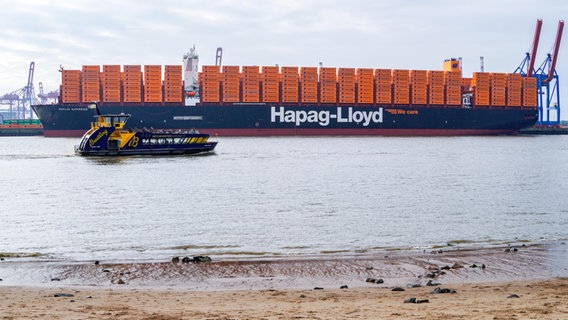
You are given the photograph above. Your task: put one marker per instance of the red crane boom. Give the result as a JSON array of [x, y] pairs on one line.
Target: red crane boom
[[556, 49], [536, 39]]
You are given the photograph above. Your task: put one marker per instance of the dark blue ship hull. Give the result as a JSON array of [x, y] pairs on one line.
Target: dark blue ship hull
[[267, 120]]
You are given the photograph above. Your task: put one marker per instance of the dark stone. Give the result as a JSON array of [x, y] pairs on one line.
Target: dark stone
[[483, 266], [445, 268], [302, 296], [397, 289], [199, 259], [318, 288], [175, 260], [186, 260], [55, 279], [0, 279], [473, 266], [431, 275], [432, 284], [120, 281], [89, 297], [97, 262], [443, 290], [423, 301], [369, 268], [457, 266], [58, 295], [442, 273], [344, 287], [513, 296], [440, 251], [106, 270], [508, 250], [414, 285], [373, 280], [515, 249], [71, 300], [410, 300]]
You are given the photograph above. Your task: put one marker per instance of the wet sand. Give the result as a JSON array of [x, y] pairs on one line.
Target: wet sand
[[529, 283]]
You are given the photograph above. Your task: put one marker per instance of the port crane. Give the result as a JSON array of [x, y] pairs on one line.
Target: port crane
[[45, 97], [546, 78], [21, 100]]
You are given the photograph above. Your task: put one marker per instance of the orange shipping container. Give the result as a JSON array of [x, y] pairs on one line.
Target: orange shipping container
[[290, 83]]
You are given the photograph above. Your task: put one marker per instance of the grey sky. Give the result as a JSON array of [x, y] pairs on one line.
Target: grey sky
[[409, 34]]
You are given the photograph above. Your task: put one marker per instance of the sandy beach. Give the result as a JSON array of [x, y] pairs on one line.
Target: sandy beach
[[507, 282]]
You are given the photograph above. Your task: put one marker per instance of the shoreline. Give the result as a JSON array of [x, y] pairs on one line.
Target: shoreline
[[452, 264], [489, 283]]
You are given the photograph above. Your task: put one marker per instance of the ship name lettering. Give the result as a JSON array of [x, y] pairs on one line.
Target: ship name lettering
[[323, 117], [300, 116], [361, 116]]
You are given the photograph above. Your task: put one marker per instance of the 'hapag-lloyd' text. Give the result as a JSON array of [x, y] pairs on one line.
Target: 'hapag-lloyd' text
[[323, 117]]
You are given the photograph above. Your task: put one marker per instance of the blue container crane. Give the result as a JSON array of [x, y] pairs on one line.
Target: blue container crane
[[547, 79]]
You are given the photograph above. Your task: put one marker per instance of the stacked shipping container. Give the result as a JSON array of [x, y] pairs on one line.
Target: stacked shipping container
[[309, 84], [328, 85], [529, 92], [514, 89], [481, 88], [90, 83], [132, 84], [436, 93], [401, 86], [346, 79], [251, 84], [365, 86], [173, 84], [71, 86], [152, 83], [209, 78], [110, 80], [306, 85], [290, 84], [383, 81], [270, 84], [419, 86], [230, 79], [498, 88], [452, 81]]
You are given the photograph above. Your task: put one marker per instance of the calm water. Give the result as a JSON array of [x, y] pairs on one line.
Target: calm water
[[280, 196]]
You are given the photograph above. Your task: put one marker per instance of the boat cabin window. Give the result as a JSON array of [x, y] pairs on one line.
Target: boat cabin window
[[116, 121]]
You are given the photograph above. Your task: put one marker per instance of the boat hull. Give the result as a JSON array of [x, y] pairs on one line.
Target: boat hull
[[271, 120], [203, 148]]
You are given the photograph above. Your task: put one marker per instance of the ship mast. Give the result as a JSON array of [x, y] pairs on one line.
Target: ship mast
[[190, 71]]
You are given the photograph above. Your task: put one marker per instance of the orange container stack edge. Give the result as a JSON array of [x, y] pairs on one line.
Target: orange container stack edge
[[383, 80], [290, 82], [346, 79], [270, 76], [328, 85], [365, 86]]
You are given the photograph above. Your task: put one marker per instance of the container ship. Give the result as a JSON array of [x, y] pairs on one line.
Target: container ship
[[20, 127], [292, 100]]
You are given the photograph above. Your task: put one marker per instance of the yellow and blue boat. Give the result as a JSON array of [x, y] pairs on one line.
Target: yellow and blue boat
[[109, 137]]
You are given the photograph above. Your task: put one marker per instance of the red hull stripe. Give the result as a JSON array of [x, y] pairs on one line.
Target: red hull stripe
[[319, 132]]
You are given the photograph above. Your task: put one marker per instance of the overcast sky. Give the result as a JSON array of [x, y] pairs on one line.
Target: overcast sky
[[412, 34]]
